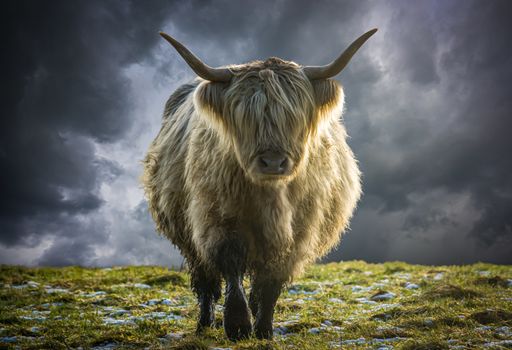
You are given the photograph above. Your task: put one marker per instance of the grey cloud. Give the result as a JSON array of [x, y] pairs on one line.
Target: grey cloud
[[428, 111], [63, 90]]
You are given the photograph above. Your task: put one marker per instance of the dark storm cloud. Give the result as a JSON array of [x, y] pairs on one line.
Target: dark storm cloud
[[472, 153], [62, 89], [428, 110], [457, 146]]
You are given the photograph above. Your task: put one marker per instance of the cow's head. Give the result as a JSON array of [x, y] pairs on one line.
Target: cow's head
[[267, 112]]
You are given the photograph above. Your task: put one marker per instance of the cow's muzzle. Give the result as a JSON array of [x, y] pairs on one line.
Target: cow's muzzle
[[273, 163]]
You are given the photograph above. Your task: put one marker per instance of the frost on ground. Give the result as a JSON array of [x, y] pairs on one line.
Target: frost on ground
[[351, 305]]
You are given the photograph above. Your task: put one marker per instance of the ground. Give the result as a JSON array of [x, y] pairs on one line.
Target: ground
[[349, 305]]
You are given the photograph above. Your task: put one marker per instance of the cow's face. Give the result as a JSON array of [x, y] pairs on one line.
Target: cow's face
[[269, 114]]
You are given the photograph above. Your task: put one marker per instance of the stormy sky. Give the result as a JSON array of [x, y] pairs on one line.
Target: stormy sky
[[429, 112]]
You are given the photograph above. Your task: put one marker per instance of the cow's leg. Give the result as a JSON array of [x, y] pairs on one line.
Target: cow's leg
[[207, 286], [264, 293], [231, 262]]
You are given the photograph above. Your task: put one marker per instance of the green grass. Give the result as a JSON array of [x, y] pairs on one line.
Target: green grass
[[330, 307]]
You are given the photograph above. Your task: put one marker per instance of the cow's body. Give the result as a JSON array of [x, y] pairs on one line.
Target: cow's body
[[212, 196]]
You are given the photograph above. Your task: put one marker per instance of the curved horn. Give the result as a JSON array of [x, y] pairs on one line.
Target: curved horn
[[336, 66], [203, 70]]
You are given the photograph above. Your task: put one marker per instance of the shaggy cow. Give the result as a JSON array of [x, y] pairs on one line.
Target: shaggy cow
[[251, 173]]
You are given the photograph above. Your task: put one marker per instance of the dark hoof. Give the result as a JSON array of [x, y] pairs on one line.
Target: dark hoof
[[206, 319], [263, 331], [201, 328], [237, 331], [237, 319]]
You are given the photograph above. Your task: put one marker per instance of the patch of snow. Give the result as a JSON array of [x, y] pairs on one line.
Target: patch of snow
[[113, 321], [383, 296], [484, 273], [402, 275], [336, 300], [105, 346], [34, 318], [47, 305], [132, 285], [174, 336], [314, 330], [366, 301], [119, 312], [173, 317], [409, 285], [295, 291], [385, 306], [360, 289], [387, 340], [56, 290], [157, 314], [359, 341], [439, 276], [280, 330], [9, 339], [499, 344], [389, 329], [20, 286], [503, 331], [94, 294], [109, 308], [428, 322]]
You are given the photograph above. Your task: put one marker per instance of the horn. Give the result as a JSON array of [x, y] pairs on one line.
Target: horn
[[203, 70], [336, 66]]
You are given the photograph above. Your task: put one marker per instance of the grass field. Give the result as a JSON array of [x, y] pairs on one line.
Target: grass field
[[350, 305]]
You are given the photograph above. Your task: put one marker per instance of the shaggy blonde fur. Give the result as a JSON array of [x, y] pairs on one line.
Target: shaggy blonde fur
[[201, 185]]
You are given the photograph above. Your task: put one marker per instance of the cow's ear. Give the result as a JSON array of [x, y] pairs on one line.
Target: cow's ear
[[209, 98], [328, 94]]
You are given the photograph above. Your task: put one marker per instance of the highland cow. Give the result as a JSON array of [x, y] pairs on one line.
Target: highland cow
[[251, 173]]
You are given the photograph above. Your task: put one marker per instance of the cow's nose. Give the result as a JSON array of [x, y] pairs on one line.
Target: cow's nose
[[273, 163]]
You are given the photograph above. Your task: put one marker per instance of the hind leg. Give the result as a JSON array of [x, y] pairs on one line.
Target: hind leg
[[207, 286]]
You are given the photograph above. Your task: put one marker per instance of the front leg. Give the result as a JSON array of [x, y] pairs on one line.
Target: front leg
[[264, 293], [231, 262], [207, 286]]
